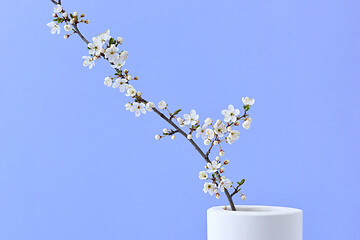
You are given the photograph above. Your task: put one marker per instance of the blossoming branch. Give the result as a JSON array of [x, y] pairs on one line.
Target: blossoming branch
[[214, 134]]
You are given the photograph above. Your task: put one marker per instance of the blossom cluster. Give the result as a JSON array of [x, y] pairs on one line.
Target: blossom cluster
[[105, 46], [217, 182], [70, 20]]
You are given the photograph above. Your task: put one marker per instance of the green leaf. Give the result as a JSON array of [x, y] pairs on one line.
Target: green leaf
[[177, 111], [112, 41], [246, 107], [241, 182]]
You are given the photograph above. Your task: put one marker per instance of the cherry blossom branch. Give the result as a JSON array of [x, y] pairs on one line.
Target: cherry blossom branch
[[117, 60]]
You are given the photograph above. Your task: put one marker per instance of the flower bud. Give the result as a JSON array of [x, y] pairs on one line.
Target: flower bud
[[75, 14], [173, 137], [54, 15], [189, 136], [157, 137], [221, 153], [208, 121], [217, 158], [218, 121], [87, 21], [222, 177], [207, 141], [72, 21], [243, 197], [65, 15], [136, 78], [216, 142], [218, 195], [66, 36], [129, 77], [229, 129], [226, 162], [82, 15], [126, 71], [165, 131], [119, 40], [237, 123], [222, 170], [138, 94]]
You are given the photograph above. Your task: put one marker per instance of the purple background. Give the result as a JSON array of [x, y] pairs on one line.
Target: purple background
[[75, 165]]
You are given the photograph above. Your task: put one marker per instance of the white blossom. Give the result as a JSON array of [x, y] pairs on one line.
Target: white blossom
[[124, 55], [213, 166], [190, 119], [58, 8], [108, 81], [229, 140], [138, 108], [210, 133], [157, 137], [118, 63], [162, 105], [246, 124], [234, 134], [122, 84], [203, 175], [201, 132], [88, 62], [209, 188], [248, 101], [226, 183], [117, 83], [172, 137], [130, 90], [150, 106], [220, 129], [95, 48], [54, 28], [128, 106], [208, 121], [180, 121], [67, 27], [111, 53], [230, 114], [103, 37]]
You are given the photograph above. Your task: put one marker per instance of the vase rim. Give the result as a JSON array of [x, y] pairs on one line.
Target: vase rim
[[255, 210]]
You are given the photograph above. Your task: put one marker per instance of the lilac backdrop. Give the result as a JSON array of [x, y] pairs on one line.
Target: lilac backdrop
[[75, 165]]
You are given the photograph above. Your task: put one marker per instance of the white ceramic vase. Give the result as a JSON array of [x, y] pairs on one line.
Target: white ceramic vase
[[254, 223]]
